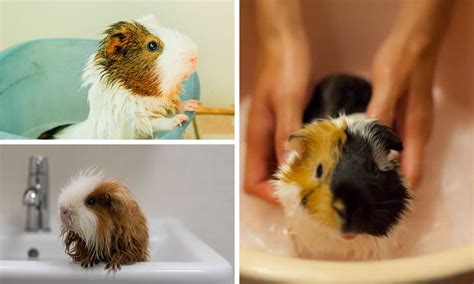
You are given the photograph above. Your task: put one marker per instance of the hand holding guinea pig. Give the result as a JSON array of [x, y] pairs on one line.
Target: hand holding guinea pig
[[102, 222], [135, 79]]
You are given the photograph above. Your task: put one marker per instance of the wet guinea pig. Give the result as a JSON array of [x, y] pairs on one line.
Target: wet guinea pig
[[342, 191], [135, 79], [102, 222]]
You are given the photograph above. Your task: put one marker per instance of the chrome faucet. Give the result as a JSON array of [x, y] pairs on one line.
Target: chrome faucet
[[36, 195]]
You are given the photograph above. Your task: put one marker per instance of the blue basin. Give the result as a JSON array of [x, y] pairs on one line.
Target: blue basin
[[40, 87]]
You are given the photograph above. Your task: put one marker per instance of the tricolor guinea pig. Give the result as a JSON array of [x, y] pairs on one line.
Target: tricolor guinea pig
[[102, 222], [343, 194], [134, 79]]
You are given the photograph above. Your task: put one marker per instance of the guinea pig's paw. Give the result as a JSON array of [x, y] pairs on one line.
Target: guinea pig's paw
[[191, 105], [113, 267], [179, 118], [89, 263]]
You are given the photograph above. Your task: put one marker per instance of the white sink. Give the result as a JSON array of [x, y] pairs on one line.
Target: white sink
[[177, 256]]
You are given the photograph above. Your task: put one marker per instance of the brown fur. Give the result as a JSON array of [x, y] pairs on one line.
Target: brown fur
[[126, 60], [122, 232]]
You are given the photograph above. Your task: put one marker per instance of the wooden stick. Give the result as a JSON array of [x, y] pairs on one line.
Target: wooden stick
[[215, 111]]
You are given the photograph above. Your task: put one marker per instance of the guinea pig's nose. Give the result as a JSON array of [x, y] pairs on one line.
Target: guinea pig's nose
[[65, 210], [65, 213], [193, 59]]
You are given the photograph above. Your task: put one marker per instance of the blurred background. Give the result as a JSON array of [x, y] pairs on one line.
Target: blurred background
[[194, 184], [345, 34], [210, 23]]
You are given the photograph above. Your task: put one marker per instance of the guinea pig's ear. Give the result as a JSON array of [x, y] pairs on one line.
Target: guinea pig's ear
[[116, 44], [393, 156], [117, 196], [390, 139], [296, 142], [392, 145]]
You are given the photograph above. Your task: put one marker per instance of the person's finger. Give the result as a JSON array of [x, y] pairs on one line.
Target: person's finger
[[386, 91], [389, 83], [260, 149], [266, 191], [418, 121], [415, 138], [289, 119]]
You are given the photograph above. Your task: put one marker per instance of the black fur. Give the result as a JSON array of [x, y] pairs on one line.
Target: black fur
[[389, 139], [374, 200], [49, 134], [337, 93]]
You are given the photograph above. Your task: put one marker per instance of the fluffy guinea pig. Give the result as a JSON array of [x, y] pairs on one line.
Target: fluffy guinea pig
[[102, 222], [134, 79], [343, 194]]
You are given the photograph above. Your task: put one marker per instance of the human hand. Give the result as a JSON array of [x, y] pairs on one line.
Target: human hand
[[402, 76], [277, 109]]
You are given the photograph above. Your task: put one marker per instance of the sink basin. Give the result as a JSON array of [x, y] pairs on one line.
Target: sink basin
[[176, 256]]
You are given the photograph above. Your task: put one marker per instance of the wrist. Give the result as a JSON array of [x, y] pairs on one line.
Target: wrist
[[284, 39], [421, 24]]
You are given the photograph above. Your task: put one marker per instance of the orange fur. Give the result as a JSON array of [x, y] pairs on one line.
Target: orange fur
[[317, 143]]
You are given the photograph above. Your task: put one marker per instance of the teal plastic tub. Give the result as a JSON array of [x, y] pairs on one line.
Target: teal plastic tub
[[40, 88]]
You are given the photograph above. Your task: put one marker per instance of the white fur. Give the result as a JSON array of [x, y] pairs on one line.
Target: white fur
[[115, 113], [173, 64], [73, 195]]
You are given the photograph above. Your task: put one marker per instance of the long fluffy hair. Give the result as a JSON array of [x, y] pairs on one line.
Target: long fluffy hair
[[102, 222]]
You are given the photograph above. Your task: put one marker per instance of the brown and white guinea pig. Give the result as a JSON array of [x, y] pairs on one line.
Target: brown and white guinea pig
[[135, 79], [102, 222], [343, 194]]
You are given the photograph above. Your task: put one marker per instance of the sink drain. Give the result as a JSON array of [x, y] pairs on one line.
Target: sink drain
[[33, 253]]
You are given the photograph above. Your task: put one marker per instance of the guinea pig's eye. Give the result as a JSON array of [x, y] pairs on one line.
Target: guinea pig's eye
[[319, 171], [91, 201], [153, 46]]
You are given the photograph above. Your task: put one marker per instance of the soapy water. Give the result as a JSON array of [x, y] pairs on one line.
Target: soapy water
[[442, 214]]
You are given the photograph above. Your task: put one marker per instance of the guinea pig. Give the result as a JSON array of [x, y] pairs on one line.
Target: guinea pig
[[135, 78], [102, 222], [342, 191]]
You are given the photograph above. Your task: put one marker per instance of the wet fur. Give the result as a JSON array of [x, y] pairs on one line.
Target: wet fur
[[121, 233], [123, 60], [132, 89], [343, 177]]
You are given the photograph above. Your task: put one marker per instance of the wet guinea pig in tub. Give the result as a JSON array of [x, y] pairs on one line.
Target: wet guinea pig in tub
[[343, 194], [134, 79]]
